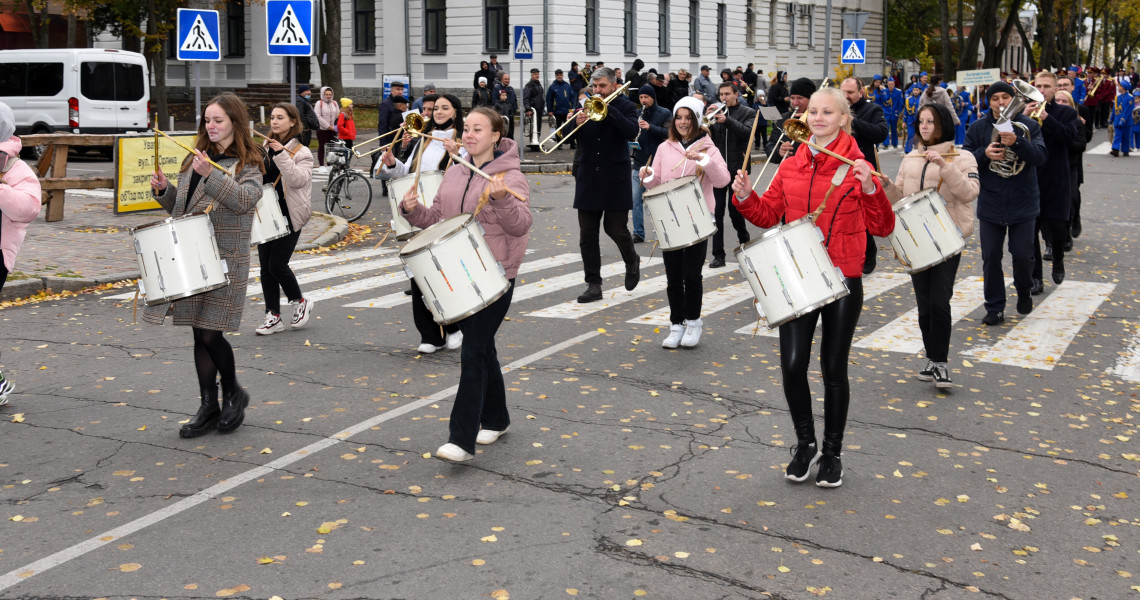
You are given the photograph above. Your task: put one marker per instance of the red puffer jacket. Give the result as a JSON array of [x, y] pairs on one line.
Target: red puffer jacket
[[799, 187]]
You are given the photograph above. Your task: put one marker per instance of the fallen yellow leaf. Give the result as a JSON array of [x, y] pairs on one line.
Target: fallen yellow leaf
[[18, 418], [633, 542], [128, 567]]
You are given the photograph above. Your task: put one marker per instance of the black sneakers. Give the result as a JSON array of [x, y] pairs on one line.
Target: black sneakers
[[1037, 289], [927, 373], [804, 458], [593, 293], [717, 261], [1025, 304], [830, 472], [632, 274], [941, 376], [993, 318]]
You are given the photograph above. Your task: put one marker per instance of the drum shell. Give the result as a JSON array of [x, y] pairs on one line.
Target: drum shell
[[457, 273], [269, 223], [178, 258], [680, 214], [430, 182], [924, 234], [790, 272]]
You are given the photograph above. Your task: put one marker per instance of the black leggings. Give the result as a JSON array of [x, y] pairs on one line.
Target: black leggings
[[276, 275], [839, 320], [213, 355]]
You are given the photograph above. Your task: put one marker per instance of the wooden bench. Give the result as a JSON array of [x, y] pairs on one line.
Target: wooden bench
[[54, 160]]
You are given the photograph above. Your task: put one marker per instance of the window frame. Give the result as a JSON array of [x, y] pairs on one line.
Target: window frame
[[235, 29], [629, 25], [496, 7], [694, 27], [363, 20], [592, 26], [439, 16], [721, 30], [663, 27]]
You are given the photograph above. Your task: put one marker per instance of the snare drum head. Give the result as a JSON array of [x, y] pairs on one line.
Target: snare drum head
[[913, 198], [435, 233], [676, 184]]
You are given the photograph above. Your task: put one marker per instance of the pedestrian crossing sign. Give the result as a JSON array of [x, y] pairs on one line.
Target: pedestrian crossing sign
[[524, 42], [853, 51], [289, 27], [198, 35]]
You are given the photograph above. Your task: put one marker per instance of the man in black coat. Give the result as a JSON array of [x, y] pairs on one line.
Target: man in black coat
[[869, 128], [308, 115], [729, 132], [1058, 129], [1076, 165], [602, 192], [797, 100], [534, 97]]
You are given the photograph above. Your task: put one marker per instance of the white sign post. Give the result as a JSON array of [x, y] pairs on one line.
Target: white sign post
[[198, 37], [289, 32]]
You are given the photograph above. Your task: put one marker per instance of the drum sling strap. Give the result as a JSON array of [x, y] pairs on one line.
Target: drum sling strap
[[9, 162]]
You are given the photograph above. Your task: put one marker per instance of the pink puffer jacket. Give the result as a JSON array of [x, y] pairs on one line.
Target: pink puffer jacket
[[20, 200]]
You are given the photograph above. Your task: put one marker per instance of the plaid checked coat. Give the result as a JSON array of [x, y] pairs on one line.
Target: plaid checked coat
[[220, 309]]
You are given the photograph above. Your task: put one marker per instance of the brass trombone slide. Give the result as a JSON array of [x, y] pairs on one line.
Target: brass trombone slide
[[596, 109], [413, 121], [799, 131]]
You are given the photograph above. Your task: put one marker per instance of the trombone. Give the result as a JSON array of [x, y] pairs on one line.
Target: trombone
[[414, 121], [708, 119], [596, 109]]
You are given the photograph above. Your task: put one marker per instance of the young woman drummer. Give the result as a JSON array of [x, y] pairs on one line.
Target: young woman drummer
[[676, 158], [445, 127], [289, 168], [852, 209], [224, 138], [479, 415], [956, 179]]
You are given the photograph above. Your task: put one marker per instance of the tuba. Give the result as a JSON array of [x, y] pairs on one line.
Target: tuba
[[532, 128], [1010, 165]]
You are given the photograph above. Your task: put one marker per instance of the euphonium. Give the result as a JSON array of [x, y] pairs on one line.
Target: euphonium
[[1010, 164]]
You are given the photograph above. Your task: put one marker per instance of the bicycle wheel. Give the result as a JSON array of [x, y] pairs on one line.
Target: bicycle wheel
[[349, 196]]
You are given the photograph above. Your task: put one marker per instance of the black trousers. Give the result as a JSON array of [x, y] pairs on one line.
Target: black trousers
[[992, 236], [933, 289], [839, 321], [324, 136], [1074, 198], [684, 285], [738, 222], [3, 272], [481, 400], [276, 275], [1056, 233], [430, 331], [589, 223], [558, 122]]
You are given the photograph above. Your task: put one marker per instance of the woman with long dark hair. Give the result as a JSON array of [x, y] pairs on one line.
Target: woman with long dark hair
[[224, 138]]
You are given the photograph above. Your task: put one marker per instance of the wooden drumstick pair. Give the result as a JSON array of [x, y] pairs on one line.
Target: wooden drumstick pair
[[191, 151]]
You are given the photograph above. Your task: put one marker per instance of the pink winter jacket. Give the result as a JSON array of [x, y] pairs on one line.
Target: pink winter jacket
[[670, 152], [506, 222], [19, 201]]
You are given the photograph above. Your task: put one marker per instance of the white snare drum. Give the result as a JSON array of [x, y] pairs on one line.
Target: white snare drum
[[178, 258], [269, 223], [790, 272], [680, 214], [454, 268], [429, 186], [924, 234]]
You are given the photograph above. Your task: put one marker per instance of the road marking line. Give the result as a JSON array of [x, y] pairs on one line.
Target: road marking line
[[561, 282], [25, 572], [714, 301], [573, 310], [903, 334], [1128, 363], [873, 285], [1042, 336], [1101, 148]]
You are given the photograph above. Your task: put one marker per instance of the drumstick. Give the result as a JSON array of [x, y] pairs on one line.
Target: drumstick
[[648, 165], [292, 152], [156, 143], [480, 173], [774, 150], [751, 139], [812, 144], [191, 151], [703, 146]]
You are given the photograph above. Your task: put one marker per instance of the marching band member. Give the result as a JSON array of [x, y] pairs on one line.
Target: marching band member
[[956, 179], [1135, 121], [223, 137], [1008, 202], [910, 113], [445, 124], [289, 167], [962, 106], [892, 109], [1121, 118], [1058, 130], [479, 415], [856, 207], [797, 100], [1076, 150], [730, 131], [687, 142], [653, 126]]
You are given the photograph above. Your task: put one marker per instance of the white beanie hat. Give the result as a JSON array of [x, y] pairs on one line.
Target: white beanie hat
[[692, 104], [7, 122], [482, 80]]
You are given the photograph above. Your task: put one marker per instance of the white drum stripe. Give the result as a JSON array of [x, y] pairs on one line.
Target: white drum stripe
[[573, 310], [903, 335], [1041, 337], [873, 285], [25, 572]]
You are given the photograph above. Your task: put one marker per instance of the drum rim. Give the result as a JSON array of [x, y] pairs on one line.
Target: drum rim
[[253, 243], [168, 220], [465, 222], [663, 189], [773, 232], [413, 175], [475, 310], [194, 292], [814, 306], [683, 246], [916, 197]]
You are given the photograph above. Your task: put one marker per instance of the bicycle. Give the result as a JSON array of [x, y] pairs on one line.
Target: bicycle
[[348, 192]]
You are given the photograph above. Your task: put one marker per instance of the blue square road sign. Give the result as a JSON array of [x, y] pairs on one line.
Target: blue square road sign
[[198, 35], [524, 42], [853, 51], [289, 26]]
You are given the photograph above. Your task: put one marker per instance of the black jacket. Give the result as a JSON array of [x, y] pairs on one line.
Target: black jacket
[[1080, 144], [512, 99], [308, 119], [869, 128], [658, 118], [482, 97], [386, 110], [1059, 130], [1004, 200], [772, 148], [731, 137], [534, 97], [602, 180], [778, 96]]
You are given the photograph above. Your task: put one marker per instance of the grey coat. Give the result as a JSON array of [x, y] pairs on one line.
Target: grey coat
[[220, 309]]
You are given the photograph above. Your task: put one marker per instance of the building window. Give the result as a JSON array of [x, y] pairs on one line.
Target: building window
[[663, 27], [721, 30], [364, 26], [592, 26], [435, 27], [630, 28], [811, 25], [496, 36], [792, 24], [694, 27], [773, 10], [749, 25], [235, 29]]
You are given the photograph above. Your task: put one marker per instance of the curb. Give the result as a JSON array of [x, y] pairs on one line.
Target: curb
[[545, 167], [23, 288]]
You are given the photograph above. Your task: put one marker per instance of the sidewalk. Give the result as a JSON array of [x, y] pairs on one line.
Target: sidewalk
[[92, 245]]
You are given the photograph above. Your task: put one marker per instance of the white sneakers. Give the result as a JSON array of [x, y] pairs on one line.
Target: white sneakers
[[490, 436], [693, 331], [426, 348], [687, 335], [271, 325], [453, 453], [675, 334], [454, 340]]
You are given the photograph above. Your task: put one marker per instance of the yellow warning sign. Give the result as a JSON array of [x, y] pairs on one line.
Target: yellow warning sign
[[134, 164]]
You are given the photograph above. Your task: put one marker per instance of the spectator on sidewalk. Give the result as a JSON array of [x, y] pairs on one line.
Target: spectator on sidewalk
[[346, 124], [559, 100], [19, 205], [482, 95], [512, 102], [418, 105], [327, 111], [484, 72], [534, 97], [705, 86], [308, 115]]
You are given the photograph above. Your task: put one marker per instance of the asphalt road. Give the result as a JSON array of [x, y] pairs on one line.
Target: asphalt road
[[629, 471]]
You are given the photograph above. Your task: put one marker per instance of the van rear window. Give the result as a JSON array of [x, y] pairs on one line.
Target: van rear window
[[111, 81], [31, 79]]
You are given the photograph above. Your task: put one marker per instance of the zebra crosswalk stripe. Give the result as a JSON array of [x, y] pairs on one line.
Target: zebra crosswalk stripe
[[873, 285], [561, 282], [903, 334], [1127, 365], [713, 301], [574, 310]]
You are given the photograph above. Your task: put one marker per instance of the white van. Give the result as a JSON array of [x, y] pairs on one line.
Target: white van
[[75, 90]]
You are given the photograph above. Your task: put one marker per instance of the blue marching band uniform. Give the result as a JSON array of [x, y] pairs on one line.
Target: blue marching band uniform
[[1122, 119], [1135, 121], [965, 114], [910, 114]]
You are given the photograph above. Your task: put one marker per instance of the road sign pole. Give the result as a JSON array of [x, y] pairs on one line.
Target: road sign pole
[[292, 79], [827, 43], [522, 115], [197, 95]]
